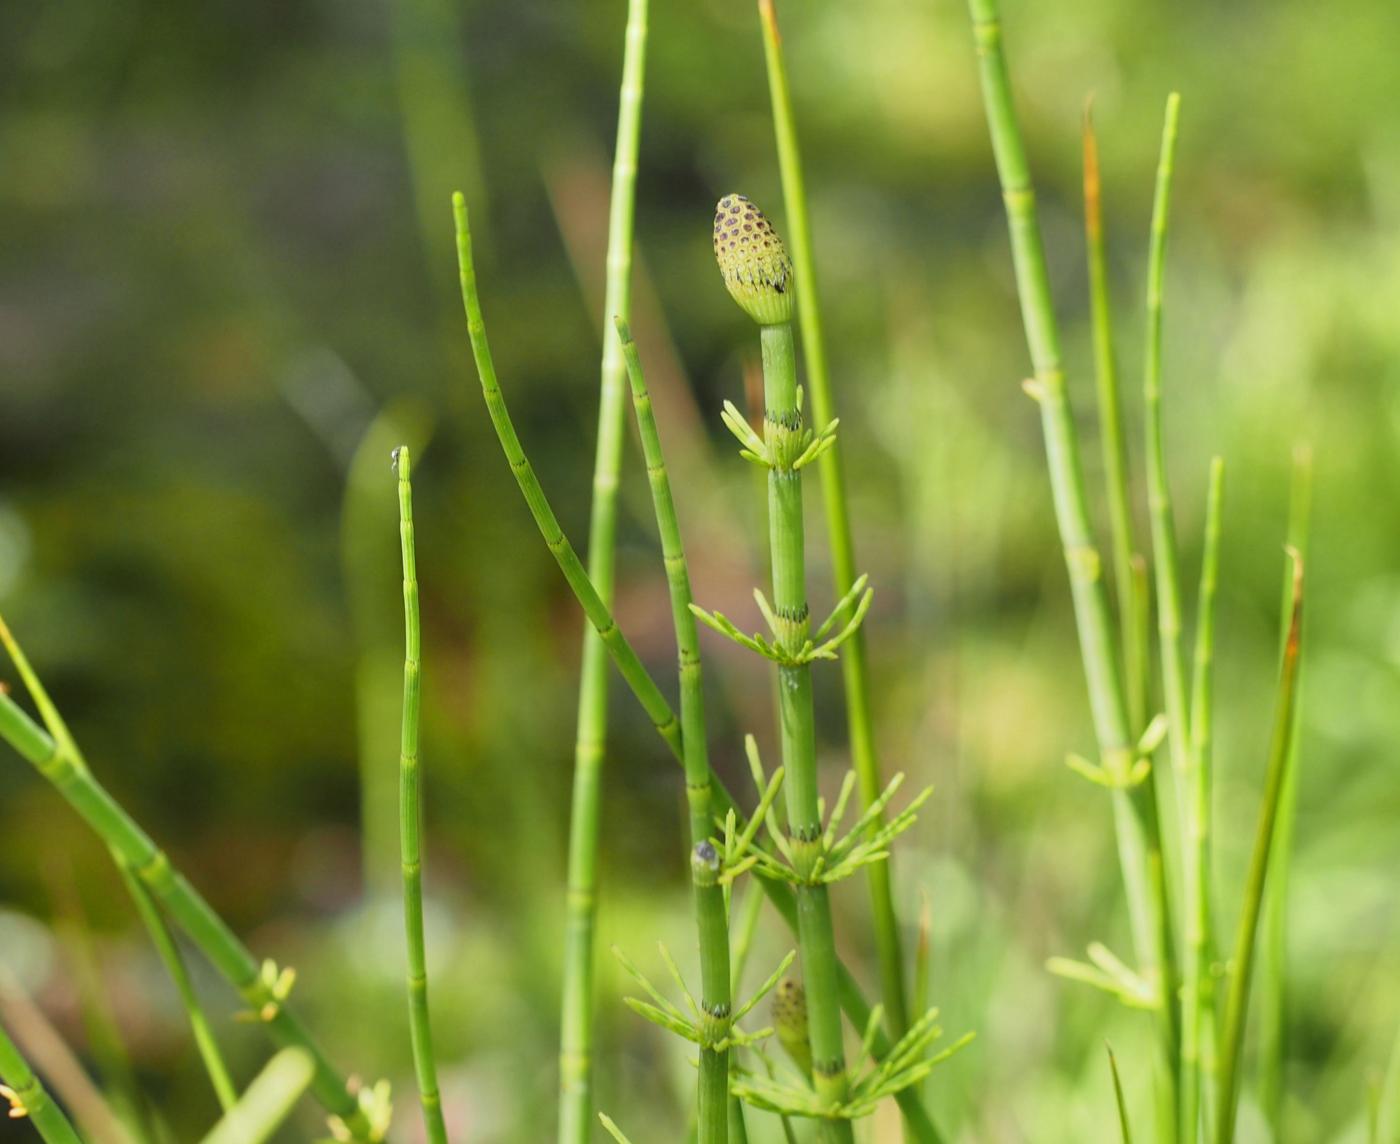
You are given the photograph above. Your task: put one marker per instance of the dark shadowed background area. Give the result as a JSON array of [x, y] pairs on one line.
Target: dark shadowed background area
[[227, 289]]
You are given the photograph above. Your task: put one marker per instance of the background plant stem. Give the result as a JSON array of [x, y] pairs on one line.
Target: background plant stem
[[855, 670], [411, 818], [576, 1017]]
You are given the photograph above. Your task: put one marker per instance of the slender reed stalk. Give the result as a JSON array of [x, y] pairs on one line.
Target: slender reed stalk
[[1113, 438], [27, 1096], [624, 657], [170, 956], [855, 669], [411, 818], [576, 1016], [1124, 1127], [1275, 777], [711, 912], [1197, 1005], [268, 1101], [57, 759], [1134, 811], [1273, 956]]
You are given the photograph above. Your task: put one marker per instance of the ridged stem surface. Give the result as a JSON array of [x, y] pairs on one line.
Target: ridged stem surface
[[46, 1116]]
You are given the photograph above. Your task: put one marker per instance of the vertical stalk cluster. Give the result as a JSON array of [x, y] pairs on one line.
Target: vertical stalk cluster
[[1193, 1046], [411, 817], [576, 1018]]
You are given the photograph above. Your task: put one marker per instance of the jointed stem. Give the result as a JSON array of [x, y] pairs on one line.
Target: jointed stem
[[26, 1096], [576, 1018], [411, 818], [710, 909], [855, 670], [624, 657]]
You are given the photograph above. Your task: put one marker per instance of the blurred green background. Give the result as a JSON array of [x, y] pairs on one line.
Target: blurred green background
[[227, 289]]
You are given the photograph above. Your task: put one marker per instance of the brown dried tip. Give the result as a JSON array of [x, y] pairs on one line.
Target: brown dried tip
[[753, 260]]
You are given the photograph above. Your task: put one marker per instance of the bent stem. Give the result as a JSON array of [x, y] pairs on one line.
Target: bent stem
[[855, 670], [1276, 775], [55, 756], [411, 818], [28, 1097], [710, 910], [576, 1015]]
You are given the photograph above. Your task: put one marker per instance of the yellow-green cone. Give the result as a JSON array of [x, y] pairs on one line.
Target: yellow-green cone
[[790, 1023], [753, 260]]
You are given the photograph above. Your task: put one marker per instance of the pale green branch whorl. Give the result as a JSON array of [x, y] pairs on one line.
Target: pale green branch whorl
[[753, 260]]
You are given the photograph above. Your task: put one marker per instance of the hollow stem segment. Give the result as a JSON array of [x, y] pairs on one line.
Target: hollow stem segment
[[411, 818], [27, 1097], [855, 670], [577, 1000], [55, 756], [1134, 807], [711, 914]]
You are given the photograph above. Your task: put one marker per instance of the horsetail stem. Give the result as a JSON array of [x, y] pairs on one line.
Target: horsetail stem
[[27, 1097], [411, 818], [56, 758], [625, 658], [1196, 1001], [266, 1103], [855, 671], [1242, 960], [757, 273], [1113, 439], [577, 993], [710, 909], [1135, 817], [169, 953]]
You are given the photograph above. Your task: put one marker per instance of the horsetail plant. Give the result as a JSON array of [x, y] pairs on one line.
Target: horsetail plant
[[263, 986], [411, 817], [26, 1097], [898, 1085], [267, 1102], [855, 669], [576, 1019]]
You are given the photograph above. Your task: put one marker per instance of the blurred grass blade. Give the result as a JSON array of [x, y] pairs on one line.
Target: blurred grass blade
[[267, 1102], [1387, 1110], [1273, 954], [1242, 961], [1124, 1126]]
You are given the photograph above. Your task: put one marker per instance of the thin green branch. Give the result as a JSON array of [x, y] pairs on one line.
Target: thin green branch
[[855, 670], [1197, 998], [267, 1102], [411, 818], [27, 1097], [1275, 777], [55, 756], [577, 997]]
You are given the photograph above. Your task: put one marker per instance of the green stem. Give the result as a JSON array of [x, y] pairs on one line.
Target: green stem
[[30, 1096], [710, 909], [1112, 435], [1274, 954], [1134, 814], [1196, 1002], [411, 818], [1242, 963], [174, 963], [782, 424], [268, 1101], [625, 658], [577, 1001], [67, 772], [855, 670]]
